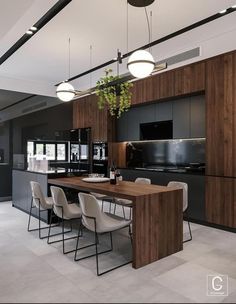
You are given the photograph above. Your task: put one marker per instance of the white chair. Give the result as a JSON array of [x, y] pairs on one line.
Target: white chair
[[64, 211], [98, 222], [42, 203], [127, 203], [103, 198], [184, 187]]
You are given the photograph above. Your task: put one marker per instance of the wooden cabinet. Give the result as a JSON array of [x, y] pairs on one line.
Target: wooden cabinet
[[86, 114], [189, 79], [142, 91], [117, 153], [166, 84], [185, 80], [220, 111], [221, 201]]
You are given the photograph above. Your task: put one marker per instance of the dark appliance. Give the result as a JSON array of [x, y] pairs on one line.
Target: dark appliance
[[1, 155], [80, 148], [100, 158], [156, 130]]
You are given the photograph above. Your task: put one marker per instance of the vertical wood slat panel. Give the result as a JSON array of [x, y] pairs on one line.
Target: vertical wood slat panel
[[220, 201], [86, 114], [154, 237], [220, 118]]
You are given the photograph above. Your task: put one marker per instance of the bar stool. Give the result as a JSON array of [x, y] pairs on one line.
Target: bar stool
[[42, 203], [127, 203], [64, 211], [99, 223], [184, 187]]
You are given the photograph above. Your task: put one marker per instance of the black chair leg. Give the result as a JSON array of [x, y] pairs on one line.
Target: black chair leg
[[98, 253], [189, 228], [29, 220]]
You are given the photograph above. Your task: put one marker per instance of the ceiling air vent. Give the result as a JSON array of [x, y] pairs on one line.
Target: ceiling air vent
[[33, 108], [181, 57]]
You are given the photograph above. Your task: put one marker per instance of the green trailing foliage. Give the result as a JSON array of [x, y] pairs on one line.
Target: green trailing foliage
[[116, 97]]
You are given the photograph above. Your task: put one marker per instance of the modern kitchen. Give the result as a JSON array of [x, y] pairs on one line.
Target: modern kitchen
[[118, 173]]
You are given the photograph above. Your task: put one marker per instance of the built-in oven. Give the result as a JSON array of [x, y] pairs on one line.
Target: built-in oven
[[100, 157]]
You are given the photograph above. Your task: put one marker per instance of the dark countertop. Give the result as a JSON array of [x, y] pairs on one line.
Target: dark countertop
[[56, 171], [180, 170]]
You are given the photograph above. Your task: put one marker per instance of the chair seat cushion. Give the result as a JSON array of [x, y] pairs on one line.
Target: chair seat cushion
[[49, 203], [123, 202], [72, 211], [101, 196], [106, 224]]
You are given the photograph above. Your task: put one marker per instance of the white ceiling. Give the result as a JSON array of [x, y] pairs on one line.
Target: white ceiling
[[11, 12], [43, 60]]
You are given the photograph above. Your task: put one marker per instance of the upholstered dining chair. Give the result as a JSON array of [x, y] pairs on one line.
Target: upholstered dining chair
[[184, 186], [98, 222], [127, 203], [64, 211], [43, 204]]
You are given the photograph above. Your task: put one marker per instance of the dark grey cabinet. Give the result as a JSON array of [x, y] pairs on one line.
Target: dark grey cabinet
[[196, 187], [188, 115], [197, 116], [134, 117], [181, 118], [164, 111], [122, 127]]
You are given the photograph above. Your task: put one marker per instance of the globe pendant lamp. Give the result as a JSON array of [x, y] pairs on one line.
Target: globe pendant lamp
[[141, 64], [65, 91]]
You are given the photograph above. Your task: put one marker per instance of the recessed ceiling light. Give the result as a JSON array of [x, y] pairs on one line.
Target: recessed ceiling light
[[29, 32], [223, 11], [33, 28]]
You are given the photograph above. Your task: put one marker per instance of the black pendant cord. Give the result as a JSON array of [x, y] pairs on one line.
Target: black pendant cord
[[149, 28], [69, 59], [91, 64]]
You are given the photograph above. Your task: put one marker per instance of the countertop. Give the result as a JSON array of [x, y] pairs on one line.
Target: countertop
[[179, 170], [56, 171]]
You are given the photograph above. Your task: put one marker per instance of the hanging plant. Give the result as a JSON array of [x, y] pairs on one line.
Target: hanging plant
[[116, 97]]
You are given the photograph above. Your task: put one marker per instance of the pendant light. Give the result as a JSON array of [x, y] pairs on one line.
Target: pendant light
[[141, 63], [65, 91]]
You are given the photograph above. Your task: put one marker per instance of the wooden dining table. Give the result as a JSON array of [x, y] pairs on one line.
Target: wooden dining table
[[157, 215]]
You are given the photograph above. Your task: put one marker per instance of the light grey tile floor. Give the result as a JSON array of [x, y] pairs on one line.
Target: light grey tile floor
[[31, 271]]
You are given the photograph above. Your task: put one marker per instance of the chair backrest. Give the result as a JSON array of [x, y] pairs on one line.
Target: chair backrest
[[90, 208], [37, 195], [59, 200], [142, 180], [184, 186]]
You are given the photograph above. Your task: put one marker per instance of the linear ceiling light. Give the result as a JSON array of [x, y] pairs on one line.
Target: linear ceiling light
[[50, 14]]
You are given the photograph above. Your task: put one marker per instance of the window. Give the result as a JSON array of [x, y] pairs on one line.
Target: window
[[30, 149], [84, 152], [51, 151], [54, 151], [40, 149], [61, 152]]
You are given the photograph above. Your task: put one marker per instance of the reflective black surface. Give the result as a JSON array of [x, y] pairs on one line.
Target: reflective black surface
[[167, 154]]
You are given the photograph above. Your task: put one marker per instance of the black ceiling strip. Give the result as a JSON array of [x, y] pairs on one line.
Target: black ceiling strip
[[158, 41], [50, 14], [20, 101]]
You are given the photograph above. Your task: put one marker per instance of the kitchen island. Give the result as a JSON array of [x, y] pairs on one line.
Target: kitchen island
[[21, 192], [157, 215]]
